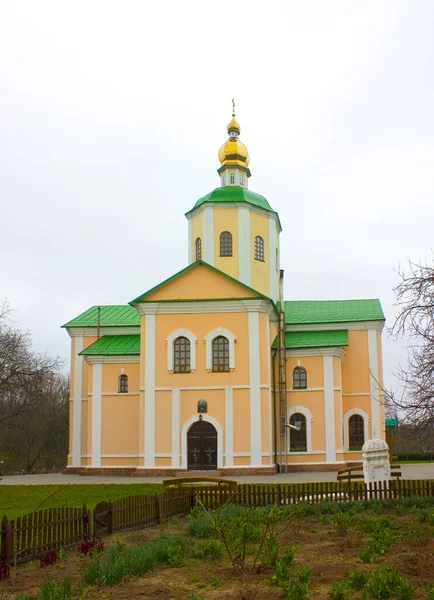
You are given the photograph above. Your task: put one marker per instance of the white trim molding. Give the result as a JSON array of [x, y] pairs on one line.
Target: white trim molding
[[194, 307], [170, 341], [244, 245], [374, 384], [93, 331], [176, 420], [96, 414], [208, 348], [308, 416], [329, 409], [149, 424], [250, 207], [272, 245], [350, 325], [255, 390], [345, 423], [208, 235], [76, 419], [220, 439], [125, 359], [229, 427], [338, 351]]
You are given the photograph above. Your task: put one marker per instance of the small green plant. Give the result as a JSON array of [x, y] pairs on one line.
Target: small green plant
[[215, 581], [400, 509], [430, 593], [200, 526], [339, 590], [404, 590], [297, 586], [62, 555], [175, 520], [50, 590], [342, 520], [356, 580], [383, 581]]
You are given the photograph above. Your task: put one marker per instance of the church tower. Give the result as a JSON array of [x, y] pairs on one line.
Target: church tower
[[233, 228]]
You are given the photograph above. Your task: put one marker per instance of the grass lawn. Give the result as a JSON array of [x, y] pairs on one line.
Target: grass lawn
[[17, 500]]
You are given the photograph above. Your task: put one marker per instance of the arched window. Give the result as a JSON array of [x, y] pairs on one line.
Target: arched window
[[198, 249], [241, 180], [298, 439], [123, 384], [232, 178], [356, 432], [299, 378], [181, 355], [259, 248], [225, 244], [220, 354]]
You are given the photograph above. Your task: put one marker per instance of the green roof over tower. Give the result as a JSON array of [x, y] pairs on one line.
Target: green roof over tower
[[234, 194]]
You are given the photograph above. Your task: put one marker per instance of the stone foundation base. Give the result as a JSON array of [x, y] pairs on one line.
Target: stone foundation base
[[168, 472], [312, 468]]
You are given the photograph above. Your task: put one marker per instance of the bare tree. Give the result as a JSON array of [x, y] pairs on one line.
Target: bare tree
[[415, 301]]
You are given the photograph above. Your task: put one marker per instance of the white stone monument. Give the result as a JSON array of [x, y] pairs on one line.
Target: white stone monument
[[376, 462]]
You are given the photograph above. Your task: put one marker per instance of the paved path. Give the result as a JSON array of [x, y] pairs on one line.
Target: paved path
[[419, 471]]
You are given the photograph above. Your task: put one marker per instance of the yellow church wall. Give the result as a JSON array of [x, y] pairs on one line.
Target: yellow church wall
[[301, 457], [226, 220], [240, 461], [354, 402], [259, 270], [111, 373], [265, 460], [355, 367], [241, 411], [87, 341], [314, 402], [201, 325], [353, 456], [71, 427], [196, 232], [200, 282], [89, 425], [119, 421], [86, 462], [337, 375], [163, 461], [313, 366], [216, 405], [163, 422], [265, 416], [338, 424]]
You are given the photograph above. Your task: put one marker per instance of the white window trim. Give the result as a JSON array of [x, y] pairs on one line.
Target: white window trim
[[308, 416], [346, 419], [208, 342], [170, 340]]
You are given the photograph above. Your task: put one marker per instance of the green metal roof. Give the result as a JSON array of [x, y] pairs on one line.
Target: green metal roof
[[110, 316], [142, 297], [114, 344], [314, 339], [234, 193], [391, 422], [332, 311]]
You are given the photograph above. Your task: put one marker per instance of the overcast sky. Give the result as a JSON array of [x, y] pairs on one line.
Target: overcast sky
[[112, 113]]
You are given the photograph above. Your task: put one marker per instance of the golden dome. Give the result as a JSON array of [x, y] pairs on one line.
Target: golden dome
[[234, 126], [233, 151]]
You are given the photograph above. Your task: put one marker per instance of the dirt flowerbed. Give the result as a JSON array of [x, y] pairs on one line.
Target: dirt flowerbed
[[317, 548]]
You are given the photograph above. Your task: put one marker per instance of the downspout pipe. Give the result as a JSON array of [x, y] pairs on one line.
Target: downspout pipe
[[282, 375], [273, 374]]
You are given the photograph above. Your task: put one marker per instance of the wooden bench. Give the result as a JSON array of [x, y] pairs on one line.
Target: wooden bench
[[350, 474], [177, 482]]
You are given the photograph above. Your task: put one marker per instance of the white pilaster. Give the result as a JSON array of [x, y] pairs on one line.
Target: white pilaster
[[190, 243], [176, 423], [208, 235], [96, 414], [270, 400], [255, 391], [329, 409], [76, 402], [150, 391], [244, 249], [374, 384], [229, 426], [272, 245]]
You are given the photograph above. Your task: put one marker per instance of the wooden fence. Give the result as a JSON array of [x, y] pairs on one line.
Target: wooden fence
[[30, 536]]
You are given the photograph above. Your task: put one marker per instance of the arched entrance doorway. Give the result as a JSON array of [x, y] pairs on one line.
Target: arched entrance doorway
[[202, 447]]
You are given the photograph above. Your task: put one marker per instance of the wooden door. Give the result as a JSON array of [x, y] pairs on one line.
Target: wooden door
[[202, 447]]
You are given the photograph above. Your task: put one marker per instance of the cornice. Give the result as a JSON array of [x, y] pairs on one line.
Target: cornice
[[338, 351], [221, 206], [93, 331], [350, 326], [213, 306], [96, 360]]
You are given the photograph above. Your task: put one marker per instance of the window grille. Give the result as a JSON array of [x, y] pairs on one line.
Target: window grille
[[226, 244], [181, 355], [356, 432], [123, 384], [298, 439], [259, 248], [198, 249], [220, 354], [299, 378]]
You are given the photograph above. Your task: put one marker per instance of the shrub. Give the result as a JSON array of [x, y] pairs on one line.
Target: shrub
[[4, 571], [404, 590], [200, 526], [297, 586], [50, 590], [211, 548], [88, 547], [49, 558], [342, 520]]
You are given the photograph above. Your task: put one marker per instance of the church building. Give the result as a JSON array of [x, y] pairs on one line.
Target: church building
[[212, 370]]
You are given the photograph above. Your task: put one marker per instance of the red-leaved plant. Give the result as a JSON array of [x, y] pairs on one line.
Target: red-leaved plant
[[49, 558], [86, 547], [4, 571]]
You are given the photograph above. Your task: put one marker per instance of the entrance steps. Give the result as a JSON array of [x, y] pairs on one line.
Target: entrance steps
[[203, 473]]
